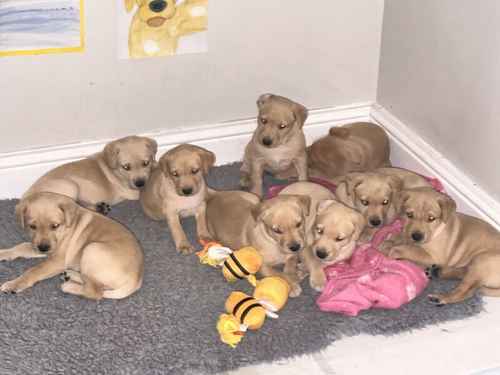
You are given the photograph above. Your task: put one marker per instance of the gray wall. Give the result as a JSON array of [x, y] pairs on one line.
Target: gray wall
[[324, 54], [440, 74]]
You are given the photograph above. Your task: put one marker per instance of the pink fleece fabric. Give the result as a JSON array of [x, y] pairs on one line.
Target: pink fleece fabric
[[370, 279]]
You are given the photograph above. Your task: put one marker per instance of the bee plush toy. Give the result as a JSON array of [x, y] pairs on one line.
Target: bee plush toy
[[236, 265], [246, 312]]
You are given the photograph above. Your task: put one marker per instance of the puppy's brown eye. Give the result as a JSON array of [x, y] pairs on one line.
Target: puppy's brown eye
[[174, 173], [145, 163], [385, 202], [263, 120], [126, 167], [339, 238], [319, 230], [283, 126], [55, 226], [277, 230], [32, 226], [409, 215], [431, 218], [298, 224], [364, 202], [195, 170]]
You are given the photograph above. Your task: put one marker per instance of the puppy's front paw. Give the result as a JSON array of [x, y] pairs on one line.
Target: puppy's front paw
[[433, 272], [318, 280], [295, 290], [103, 208], [185, 248], [397, 253], [13, 286], [386, 246], [302, 271]]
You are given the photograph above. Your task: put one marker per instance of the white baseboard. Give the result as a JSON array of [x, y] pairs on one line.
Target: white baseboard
[[409, 150], [18, 170]]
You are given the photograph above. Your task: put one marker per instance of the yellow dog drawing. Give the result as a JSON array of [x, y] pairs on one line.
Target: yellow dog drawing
[[158, 24]]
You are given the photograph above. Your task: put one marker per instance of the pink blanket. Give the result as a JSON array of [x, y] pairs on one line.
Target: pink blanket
[[370, 279]]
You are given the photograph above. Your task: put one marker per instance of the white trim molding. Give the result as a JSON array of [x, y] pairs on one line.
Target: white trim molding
[[410, 150], [18, 170]]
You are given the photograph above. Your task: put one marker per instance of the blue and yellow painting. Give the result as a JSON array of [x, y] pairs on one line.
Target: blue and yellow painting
[[41, 26]]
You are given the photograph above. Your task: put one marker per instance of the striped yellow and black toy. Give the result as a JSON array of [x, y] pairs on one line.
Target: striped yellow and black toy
[[246, 312], [236, 265]]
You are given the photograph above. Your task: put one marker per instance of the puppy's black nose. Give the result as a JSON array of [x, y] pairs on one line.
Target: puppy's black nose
[[44, 247], [321, 253], [140, 182], [294, 246], [417, 236], [187, 191], [157, 6], [375, 221], [267, 141]]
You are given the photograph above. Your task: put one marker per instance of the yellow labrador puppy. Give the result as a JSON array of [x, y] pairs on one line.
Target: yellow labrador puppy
[[100, 258], [450, 244], [337, 228], [178, 189], [277, 144], [357, 147], [275, 227], [374, 194], [109, 177]]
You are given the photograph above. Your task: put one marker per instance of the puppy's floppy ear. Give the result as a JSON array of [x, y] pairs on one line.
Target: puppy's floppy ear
[[359, 222], [69, 209], [300, 113], [305, 203], [207, 159], [447, 205], [259, 210], [352, 181], [111, 151], [395, 183], [339, 132], [401, 198], [264, 98], [152, 145], [21, 209], [164, 163]]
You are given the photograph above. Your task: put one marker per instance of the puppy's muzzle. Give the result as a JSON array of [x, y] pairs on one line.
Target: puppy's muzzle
[[321, 253], [267, 141], [417, 236], [43, 247], [157, 6], [294, 246], [375, 221]]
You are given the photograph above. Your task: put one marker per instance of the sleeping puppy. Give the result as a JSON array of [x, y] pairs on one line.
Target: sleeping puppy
[[277, 144], [99, 257], [336, 231], [275, 227], [450, 244], [357, 147], [116, 174], [374, 194], [178, 189]]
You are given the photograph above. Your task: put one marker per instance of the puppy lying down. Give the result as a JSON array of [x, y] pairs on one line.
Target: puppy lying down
[[449, 244], [107, 178], [98, 257]]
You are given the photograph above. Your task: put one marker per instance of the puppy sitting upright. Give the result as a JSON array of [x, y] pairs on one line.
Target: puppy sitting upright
[[278, 142], [450, 244], [276, 228], [106, 178], [177, 189], [100, 258]]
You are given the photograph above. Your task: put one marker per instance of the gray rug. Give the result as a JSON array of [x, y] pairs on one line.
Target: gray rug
[[168, 327]]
